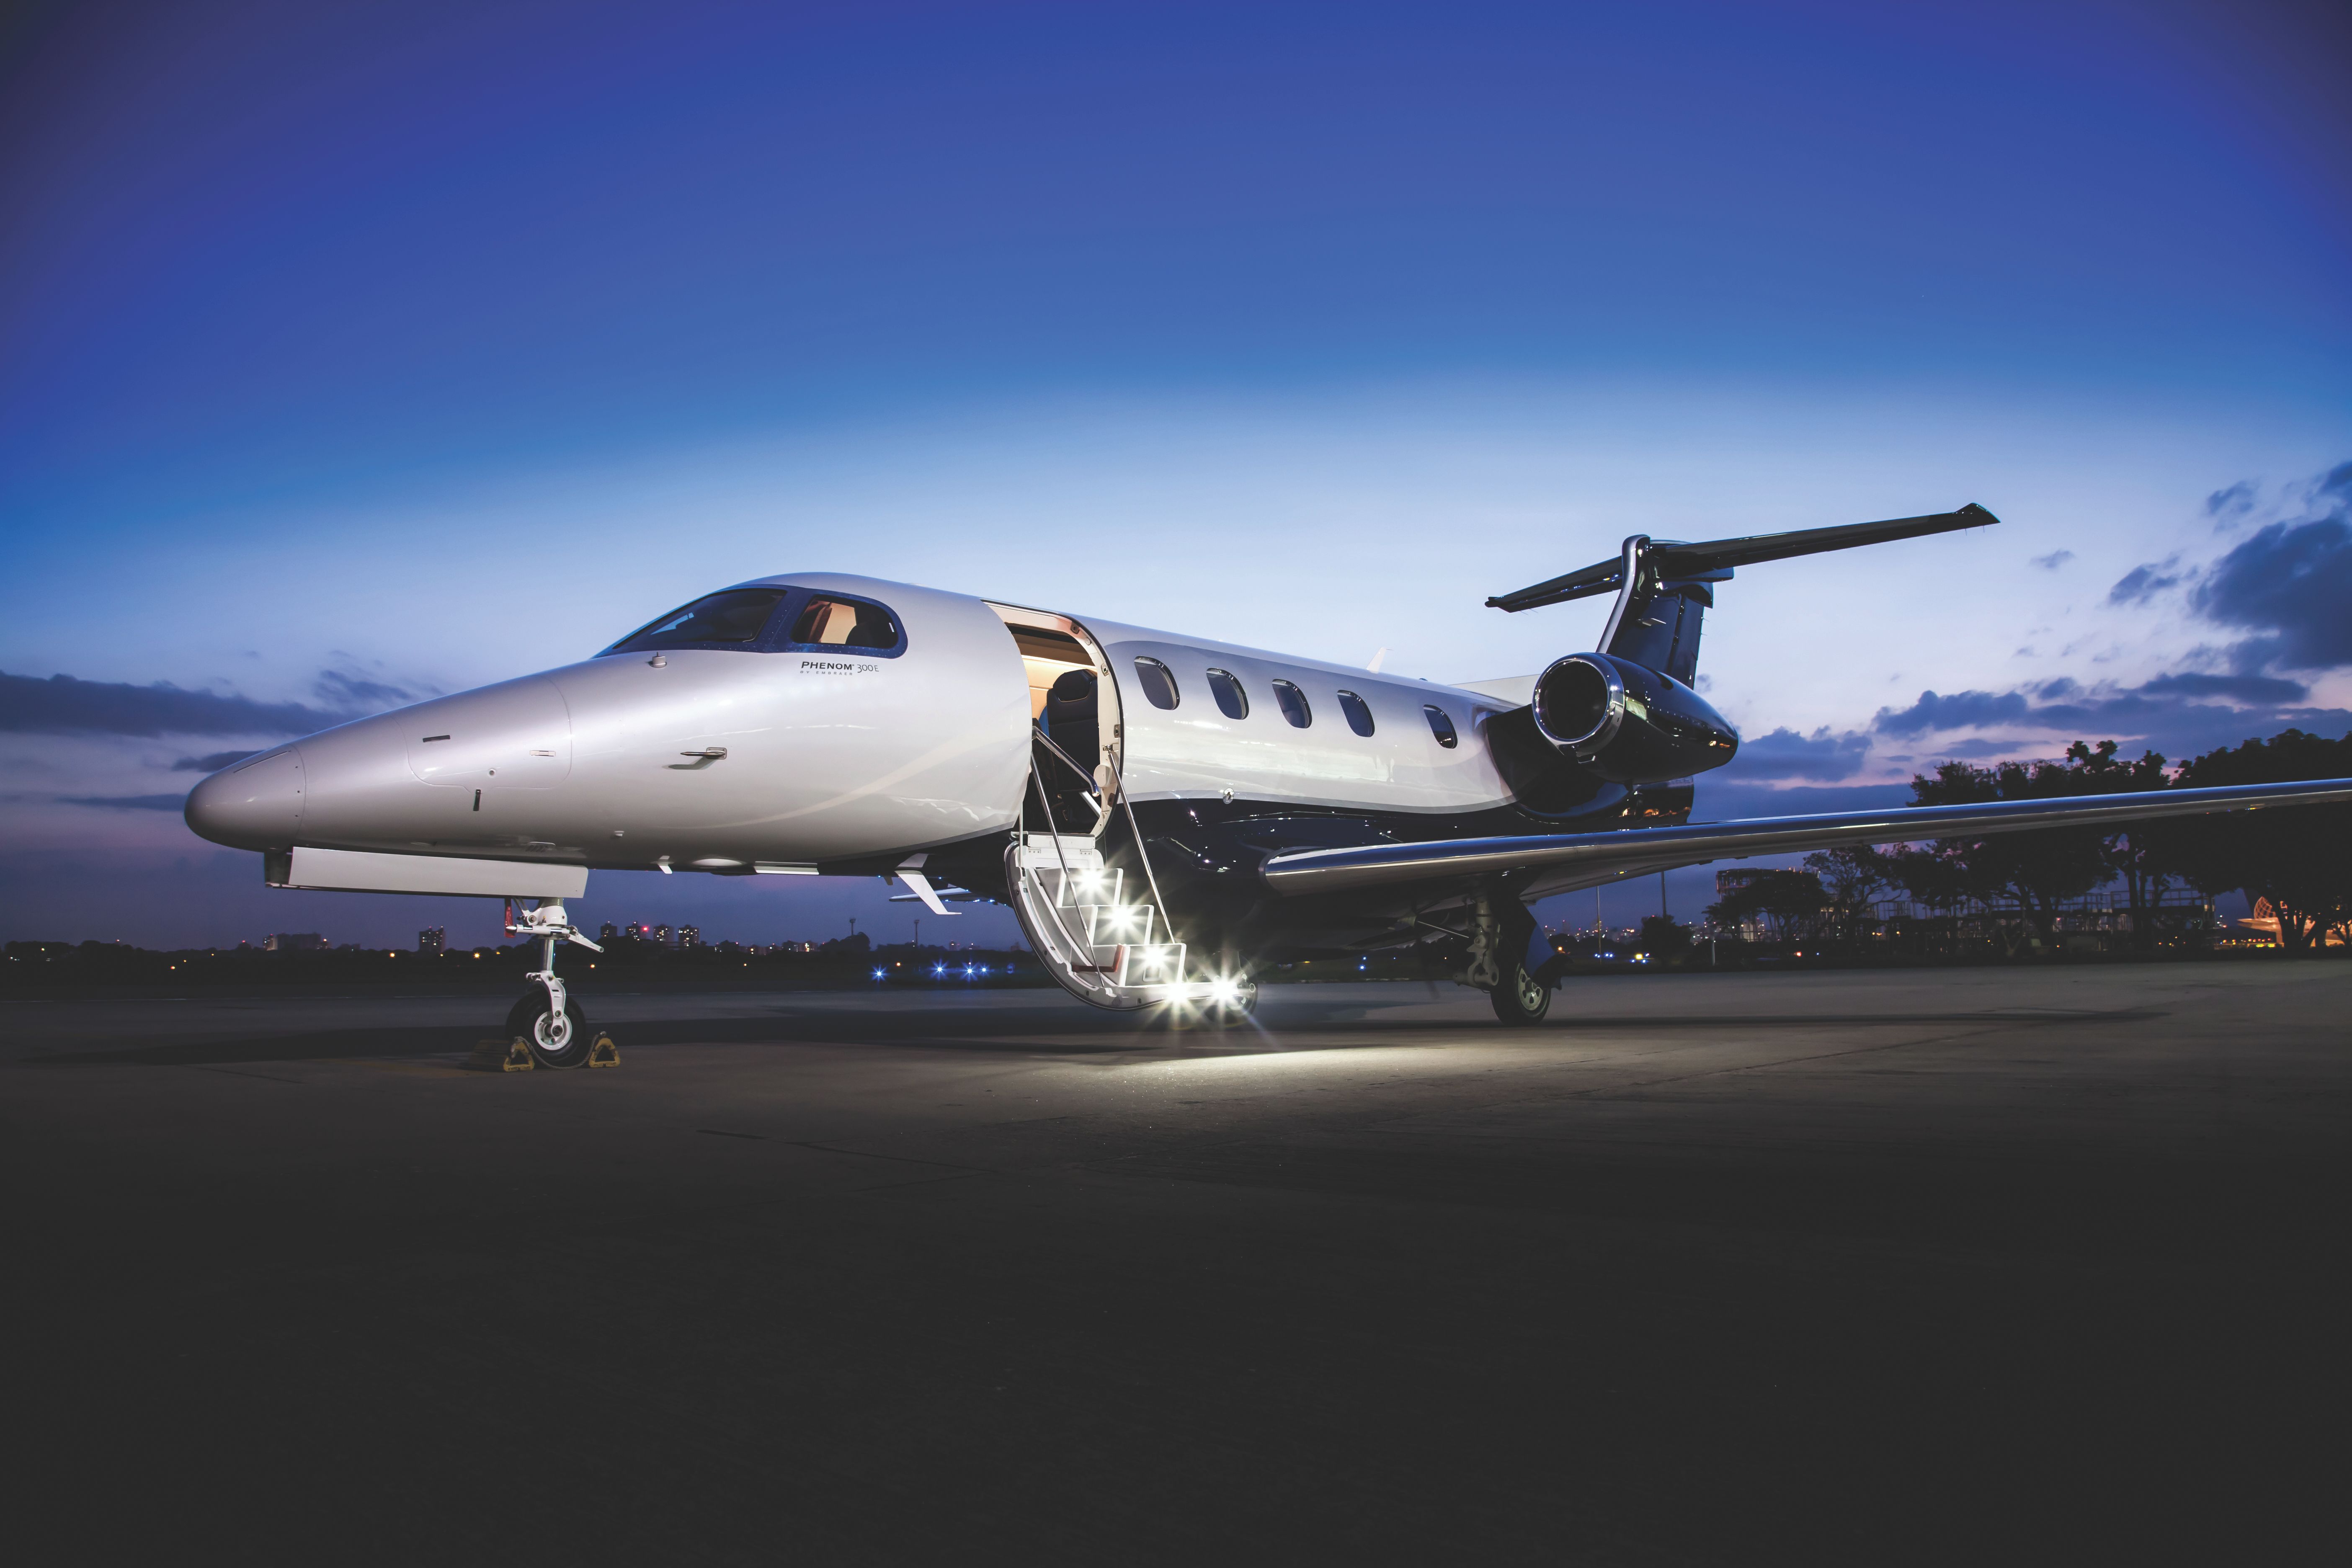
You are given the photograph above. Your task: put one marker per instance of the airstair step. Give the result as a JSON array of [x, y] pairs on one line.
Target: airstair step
[[1116, 922], [1097, 886]]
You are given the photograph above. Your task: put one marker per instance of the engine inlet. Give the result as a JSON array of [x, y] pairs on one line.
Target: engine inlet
[[1580, 702]]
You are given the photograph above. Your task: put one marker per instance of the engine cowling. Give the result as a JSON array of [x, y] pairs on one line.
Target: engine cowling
[[1628, 724]]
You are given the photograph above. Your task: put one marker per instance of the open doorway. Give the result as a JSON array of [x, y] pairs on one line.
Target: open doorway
[[1074, 702]]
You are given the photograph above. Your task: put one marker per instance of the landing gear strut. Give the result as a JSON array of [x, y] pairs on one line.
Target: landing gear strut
[[548, 1019], [1500, 929]]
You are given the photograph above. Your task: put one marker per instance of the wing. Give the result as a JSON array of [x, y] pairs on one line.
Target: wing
[[1563, 862]]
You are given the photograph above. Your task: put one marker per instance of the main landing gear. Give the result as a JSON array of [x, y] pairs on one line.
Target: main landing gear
[[1500, 930], [1519, 997], [548, 1020]]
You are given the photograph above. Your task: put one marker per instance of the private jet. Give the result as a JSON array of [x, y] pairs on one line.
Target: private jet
[[1165, 816]]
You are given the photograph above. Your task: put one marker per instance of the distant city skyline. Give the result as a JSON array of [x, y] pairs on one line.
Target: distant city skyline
[[354, 355]]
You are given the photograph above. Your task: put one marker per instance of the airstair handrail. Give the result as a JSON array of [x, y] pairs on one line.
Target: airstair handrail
[[1118, 777]]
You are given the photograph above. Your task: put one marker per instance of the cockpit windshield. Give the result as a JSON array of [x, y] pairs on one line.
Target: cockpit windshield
[[737, 615]]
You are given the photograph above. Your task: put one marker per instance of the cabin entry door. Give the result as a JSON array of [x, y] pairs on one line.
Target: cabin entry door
[[1074, 703]]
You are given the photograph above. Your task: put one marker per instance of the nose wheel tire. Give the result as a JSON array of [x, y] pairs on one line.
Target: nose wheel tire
[[554, 1042], [1521, 998]]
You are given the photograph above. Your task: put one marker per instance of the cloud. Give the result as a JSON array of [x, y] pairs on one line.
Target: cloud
[[2144, 582], [1786, 755], [2229, 505], [2054, 560], [128, 802], [349, 691], [63, 705], [2246, 688], [1961, 710], [2291, 583], [2179, 714], [211, 764]]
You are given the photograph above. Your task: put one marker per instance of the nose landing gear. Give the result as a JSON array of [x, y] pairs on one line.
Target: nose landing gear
[[548, 1019]]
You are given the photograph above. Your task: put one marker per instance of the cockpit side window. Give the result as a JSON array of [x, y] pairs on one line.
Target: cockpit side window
[[826, 621], [735, 617]]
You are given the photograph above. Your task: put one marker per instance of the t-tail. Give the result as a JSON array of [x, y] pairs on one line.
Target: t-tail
[[1628, 710]]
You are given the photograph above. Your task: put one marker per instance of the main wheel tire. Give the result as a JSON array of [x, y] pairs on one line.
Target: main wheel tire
[[553, 1042], [1522, 997]]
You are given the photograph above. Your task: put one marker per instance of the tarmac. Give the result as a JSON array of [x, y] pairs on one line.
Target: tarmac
[[2025, 1264]]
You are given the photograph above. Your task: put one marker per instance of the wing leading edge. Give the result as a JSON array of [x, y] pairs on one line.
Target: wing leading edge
[[1562, 863]]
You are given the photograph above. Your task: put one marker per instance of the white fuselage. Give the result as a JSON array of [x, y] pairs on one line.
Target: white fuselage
[[832, 755]]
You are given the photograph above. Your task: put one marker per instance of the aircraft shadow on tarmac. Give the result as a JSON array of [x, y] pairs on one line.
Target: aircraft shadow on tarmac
[[1029, 1032]]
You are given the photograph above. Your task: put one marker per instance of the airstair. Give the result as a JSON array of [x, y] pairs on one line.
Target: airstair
[[1103, 942]]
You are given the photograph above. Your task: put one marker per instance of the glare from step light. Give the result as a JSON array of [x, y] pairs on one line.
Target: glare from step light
[[1126, 919]]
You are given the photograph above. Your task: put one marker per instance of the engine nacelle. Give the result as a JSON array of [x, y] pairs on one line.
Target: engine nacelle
[[1627, 723]]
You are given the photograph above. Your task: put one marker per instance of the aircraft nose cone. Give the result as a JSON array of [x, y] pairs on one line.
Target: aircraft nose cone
[[254, 806]]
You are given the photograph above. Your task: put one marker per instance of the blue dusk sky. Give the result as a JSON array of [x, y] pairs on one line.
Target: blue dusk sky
[[351, 353]]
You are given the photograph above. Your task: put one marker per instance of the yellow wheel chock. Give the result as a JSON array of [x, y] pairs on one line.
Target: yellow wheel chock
[[500, 1056]]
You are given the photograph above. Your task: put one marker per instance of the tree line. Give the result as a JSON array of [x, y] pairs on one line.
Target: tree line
[[2297, 858]]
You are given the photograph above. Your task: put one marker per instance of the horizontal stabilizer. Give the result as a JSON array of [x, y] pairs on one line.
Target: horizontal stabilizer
[[1559, 863], [1672, 561]]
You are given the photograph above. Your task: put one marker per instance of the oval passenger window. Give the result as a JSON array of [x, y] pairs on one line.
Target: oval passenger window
[[1293, 703], [1358, 712], [1440, 725], [1232, 700], [1159, 682]]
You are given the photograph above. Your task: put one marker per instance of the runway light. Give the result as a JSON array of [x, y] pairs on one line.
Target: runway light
[[878, 975]]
